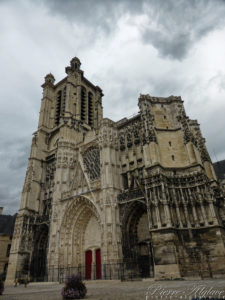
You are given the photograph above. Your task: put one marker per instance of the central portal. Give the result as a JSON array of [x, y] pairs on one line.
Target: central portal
[[97, 273], [81, 236]]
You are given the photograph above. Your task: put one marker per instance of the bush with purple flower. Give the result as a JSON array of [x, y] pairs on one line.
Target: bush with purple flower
[[74, 288]]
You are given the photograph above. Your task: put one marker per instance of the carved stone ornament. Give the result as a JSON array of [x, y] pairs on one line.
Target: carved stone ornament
[[28, 179], [148, 121]]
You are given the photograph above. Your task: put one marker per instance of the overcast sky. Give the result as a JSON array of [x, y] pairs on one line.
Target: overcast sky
[[128, 47]]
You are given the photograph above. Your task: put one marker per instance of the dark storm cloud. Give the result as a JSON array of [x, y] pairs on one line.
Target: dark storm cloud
[[10, 198], [172, 27], [14, 160], [19, 153], [97, 14]]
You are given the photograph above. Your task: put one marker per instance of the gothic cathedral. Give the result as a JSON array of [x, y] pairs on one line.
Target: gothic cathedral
[[133, 197]]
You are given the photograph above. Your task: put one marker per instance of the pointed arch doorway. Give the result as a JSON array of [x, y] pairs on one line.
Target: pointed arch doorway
[[137, 244], [39, 257], [81, 234]]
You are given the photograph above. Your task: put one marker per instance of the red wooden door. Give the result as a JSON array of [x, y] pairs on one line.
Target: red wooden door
[[88, 262], [98, 264]]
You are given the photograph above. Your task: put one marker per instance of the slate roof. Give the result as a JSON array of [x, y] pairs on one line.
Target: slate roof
[[7, 223], [219, 168]]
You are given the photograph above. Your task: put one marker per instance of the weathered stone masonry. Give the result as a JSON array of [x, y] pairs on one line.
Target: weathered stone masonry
[[141, 190]]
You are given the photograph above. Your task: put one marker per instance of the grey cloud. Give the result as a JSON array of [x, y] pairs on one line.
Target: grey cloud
[[214, 127], [20, 155], [98, 13], [176, 46], [173, 27], [10, 198], [14, 160], [218, 80], [167, 85]]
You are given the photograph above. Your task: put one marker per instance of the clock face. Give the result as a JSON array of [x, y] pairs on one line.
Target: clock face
[[91, 160]]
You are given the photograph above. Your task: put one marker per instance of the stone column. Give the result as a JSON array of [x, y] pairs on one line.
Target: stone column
[[195, 217], [156, 208], [166, 207], [177, 208], [185, 208], [202, 206], [110, 186]]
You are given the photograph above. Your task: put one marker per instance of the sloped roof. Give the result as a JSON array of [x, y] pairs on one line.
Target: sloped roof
[[219, 168], [7, 224]]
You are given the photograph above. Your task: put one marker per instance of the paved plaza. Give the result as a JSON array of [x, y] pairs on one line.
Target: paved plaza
[[113, 290]]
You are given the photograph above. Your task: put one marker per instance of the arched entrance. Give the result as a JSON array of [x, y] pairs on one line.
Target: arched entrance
[[80, 238], [39, 258], [137, 246]]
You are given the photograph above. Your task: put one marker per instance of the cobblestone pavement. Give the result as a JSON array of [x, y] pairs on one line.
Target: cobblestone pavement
[[113, 290]]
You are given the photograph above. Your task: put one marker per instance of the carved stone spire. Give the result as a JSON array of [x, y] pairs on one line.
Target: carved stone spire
[[49, 80], [74, 65]]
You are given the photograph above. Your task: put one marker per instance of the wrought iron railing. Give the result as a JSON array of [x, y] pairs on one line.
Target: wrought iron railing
[[120, 271], [123, 271]]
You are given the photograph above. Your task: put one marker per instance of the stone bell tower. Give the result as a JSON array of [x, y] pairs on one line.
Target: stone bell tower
[[59, 165], [70, 100]]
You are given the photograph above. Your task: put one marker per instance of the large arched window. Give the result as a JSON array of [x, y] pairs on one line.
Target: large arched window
[[90, 109], [83, 103]]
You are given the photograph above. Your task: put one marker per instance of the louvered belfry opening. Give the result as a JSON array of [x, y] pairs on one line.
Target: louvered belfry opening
[[58, 108], [63, 102], [90, 109], [83, 103]]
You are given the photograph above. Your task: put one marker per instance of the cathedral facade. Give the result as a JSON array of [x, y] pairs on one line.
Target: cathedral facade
[[140, 193]]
